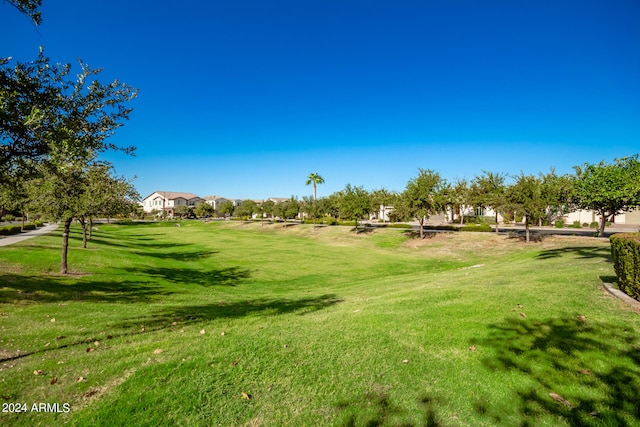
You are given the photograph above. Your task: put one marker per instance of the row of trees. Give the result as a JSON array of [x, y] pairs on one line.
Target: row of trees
[[53, 127], [605, 188]]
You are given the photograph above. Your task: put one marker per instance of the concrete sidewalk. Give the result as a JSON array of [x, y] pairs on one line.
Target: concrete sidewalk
[[10, 240]]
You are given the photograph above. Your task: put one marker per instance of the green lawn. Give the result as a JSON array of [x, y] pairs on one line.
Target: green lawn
[[231, 324]]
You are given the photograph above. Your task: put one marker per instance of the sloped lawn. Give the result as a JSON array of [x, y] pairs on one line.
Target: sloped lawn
[[232, 324]]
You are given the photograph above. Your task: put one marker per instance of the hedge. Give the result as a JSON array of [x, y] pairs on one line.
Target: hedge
[[481, 227], [10, 229], [625, 251]]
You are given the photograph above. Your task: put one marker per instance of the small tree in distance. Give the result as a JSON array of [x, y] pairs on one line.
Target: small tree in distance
[[526, 196], [203, 210], [488, 191], [354, 203], [422, 197]]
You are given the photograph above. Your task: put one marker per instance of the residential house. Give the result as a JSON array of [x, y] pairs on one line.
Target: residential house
[[215, 201], [167, 201]]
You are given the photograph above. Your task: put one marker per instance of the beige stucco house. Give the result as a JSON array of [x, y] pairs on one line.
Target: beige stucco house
[[167, 201]]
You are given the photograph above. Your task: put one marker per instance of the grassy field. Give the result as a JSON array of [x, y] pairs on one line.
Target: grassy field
[[232, 324]]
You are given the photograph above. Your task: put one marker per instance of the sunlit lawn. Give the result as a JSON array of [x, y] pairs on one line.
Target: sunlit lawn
[[232, 324]]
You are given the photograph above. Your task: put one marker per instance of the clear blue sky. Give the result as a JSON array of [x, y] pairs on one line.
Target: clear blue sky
[[245, 98]]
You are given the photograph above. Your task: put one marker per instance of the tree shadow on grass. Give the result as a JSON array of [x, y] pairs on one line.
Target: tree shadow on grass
[[125, 242], [428, 234], [375, 408], [521, 236], [18, 288], [178, 256], [584, 252], [581, 372], [189, 314], [230, 276]]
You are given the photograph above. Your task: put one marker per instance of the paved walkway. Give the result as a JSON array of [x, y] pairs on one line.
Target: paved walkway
[[10, 240]]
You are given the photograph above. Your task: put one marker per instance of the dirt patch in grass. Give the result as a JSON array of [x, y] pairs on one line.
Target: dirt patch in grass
[[461, 244]]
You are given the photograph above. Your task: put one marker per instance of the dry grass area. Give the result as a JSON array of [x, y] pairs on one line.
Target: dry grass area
[[459, 245]]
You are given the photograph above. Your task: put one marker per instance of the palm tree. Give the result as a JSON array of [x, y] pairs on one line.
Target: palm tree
[[314, 178]]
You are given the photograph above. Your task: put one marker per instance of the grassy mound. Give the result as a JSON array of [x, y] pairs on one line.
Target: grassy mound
[[250, 324]]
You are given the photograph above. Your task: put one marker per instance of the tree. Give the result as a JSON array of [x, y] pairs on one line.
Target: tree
[[382, 199], [459, 198], [246, 209], [204, 209], [287, 209], [57, 193], [354, 203], [488, 191], [422, 197], [557, 191], [31, 8], [268, 207], [60, 135], [14, 196], [313, 208], [608, 189], [526, 196], [226, 208], [314, 178], [104, 195]]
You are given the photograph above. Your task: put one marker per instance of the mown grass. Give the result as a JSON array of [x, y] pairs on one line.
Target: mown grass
[[230, 324]]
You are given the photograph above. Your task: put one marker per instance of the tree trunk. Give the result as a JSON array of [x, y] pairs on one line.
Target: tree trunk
[[526, 229], [422, 228], [461, 216], [65, 245], [22, 228], [496, 221], [84, 233], [90, 228], [603, 219]]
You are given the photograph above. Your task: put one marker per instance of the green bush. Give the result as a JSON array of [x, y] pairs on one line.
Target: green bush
[[585, 224], [559, 223], [29, 226], [10, 229], [576, 224], [480, 227], [594, 224], [9, 218], [444, 227], [39, 223], [625, 251], [330, 221]]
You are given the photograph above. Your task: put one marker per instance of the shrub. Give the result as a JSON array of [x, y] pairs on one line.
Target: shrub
[[480, 227], [10, 229], [39, 223], [594, 224], [625, 251], [330, 221], [576, 224], [29, 226], [444, 227], [559, 223], [9, 218], [400, 225], [585, 224]]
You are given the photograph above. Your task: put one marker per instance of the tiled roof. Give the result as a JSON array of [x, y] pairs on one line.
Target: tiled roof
[[171, 195]]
